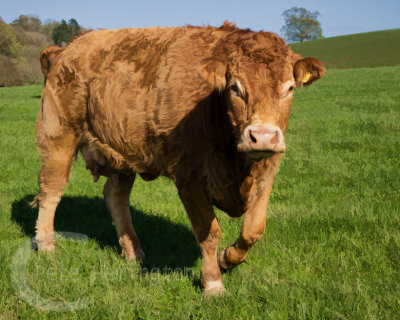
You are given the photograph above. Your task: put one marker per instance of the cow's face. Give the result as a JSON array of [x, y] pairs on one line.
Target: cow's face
[[259, 98]]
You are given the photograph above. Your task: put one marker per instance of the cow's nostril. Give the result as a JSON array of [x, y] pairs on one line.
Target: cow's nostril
[[252, 138], [275, 138]]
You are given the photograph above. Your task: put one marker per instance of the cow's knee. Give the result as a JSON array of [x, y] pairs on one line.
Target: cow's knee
[[209, 239], [250, 238]]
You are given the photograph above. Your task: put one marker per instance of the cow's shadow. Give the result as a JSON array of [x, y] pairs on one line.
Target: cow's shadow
[[167, 245]]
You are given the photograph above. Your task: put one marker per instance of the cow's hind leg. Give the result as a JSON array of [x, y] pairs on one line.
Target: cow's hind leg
[[53, 176], [116, 193]]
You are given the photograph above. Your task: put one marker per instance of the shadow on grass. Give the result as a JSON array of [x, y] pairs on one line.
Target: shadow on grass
[[166, 244]]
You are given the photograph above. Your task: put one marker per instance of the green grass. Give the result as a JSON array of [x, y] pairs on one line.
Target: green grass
[[331, 249], [364, 50]]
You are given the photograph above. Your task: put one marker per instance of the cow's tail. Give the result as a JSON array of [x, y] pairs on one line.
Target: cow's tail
[[35, 202], [47, 58]]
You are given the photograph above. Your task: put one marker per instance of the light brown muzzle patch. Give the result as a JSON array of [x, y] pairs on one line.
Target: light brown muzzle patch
[[262, 141]]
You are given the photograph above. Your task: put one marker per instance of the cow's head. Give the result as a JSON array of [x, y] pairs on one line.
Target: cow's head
[[257, 77]]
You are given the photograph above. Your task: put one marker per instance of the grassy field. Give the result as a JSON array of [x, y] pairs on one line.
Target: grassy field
[[364, 50], [331, 249]]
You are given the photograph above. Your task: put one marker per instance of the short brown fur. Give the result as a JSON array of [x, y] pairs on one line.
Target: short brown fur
[[172, 102]]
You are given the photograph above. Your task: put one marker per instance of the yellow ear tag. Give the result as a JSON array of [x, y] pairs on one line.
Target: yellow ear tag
[[307, 77]]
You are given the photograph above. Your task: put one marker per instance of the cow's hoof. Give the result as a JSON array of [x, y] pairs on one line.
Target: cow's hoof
[[214, 292], [46, 246], [45, 243], [138, 255]]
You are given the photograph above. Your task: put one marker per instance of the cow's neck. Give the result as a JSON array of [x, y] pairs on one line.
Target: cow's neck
[[234, 180]]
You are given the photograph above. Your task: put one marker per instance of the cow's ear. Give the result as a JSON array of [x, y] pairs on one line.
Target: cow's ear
[[47, 58], [307, 70], [214, 71]]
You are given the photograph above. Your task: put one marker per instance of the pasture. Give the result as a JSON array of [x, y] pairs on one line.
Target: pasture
[[363, 50], [331, 249]]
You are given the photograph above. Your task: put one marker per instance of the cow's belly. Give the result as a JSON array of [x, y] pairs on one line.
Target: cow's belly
[[234, 207]]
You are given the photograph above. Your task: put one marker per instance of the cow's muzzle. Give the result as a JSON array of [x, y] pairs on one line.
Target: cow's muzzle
[[261, 141]]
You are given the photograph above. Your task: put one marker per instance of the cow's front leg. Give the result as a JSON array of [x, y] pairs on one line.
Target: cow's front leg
[[205, 225], [116, 193], [252, 230]]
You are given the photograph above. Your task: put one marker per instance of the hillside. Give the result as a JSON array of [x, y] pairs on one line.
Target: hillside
[[331, 249], [21, 42], [364, 50]]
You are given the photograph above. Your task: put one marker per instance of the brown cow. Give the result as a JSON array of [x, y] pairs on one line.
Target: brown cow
[[207, 107]]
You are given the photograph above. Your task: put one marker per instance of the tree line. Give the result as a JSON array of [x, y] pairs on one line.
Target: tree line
[[21, 42]]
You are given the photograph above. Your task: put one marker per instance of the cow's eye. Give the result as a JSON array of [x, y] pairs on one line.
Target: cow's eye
[[238, 90], [288, 93]]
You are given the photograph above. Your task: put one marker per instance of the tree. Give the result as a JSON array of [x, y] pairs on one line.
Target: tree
[[65, 32], [9, 45], [74, 27], [10, 74], [28, 23], [11, 52], [301, 24], [48, 27], [61, 34]]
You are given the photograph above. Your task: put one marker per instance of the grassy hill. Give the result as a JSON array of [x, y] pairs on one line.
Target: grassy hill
[[331, 249], [364, 50]]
